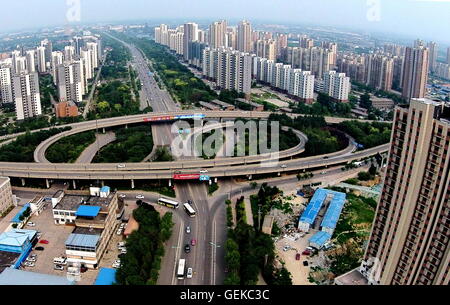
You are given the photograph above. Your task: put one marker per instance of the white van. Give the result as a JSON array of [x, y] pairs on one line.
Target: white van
[[59, 261]]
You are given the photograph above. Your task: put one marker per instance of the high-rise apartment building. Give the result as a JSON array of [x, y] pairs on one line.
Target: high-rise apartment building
[[409, 240], [57, 59], [31, 62], [337, 86], [266, 49], [25, 88], [244, 37], [415, 74], [218, 34], [230, 69], [190, 34], [380, 71], [71, 81], [448, 56], [69, 53], [6, 94], [93, 48], [41, 63], [86, 57], [433, 54], [302, 85]]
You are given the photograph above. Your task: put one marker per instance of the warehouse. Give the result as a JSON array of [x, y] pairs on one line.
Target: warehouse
[[312, 210], [333, 213], [319, 239]]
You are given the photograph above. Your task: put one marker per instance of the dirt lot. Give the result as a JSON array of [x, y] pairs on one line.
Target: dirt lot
[[296, 268]]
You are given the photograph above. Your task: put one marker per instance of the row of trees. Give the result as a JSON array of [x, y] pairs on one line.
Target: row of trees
[[22, 149], [250, 252], [324, 106], [145, 248]]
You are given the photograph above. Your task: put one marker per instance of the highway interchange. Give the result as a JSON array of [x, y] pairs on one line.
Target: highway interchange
[[209, 226]]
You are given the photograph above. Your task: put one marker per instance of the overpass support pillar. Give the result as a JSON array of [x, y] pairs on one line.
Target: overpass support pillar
[[104, 131], [132, 184], [74, 184], [47, 183], [103, 183], [23, 181], [126, 126], [215, 180], [210, 182], [279, 174], [250, 177], [170, 183]]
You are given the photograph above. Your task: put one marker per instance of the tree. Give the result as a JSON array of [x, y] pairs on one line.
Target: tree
[[282, 277], [365, 101], [103, 106], [373, 170]]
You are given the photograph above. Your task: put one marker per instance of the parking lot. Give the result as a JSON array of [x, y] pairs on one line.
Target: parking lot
[[55, 235], [299, 272]]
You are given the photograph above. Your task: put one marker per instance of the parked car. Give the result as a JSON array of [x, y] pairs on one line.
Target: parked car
[[33, 256], [116, 265], [121, 244], [31, 260], [203, 171], [122, 196], [31, 224], [305, 263], [123, 251], [39, 249], [83, 269], [297, 256], [141, 197], [45, 242], [29, 264], [188, 230], [193, 242], [189, 273], [284, 166], [187, 249], [58, 267], [306, 252], [119, 232]]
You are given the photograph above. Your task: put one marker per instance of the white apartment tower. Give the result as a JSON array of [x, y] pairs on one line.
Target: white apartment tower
[[25, 87], [71, 81], [217, 34], [337, 86], [6, 95], [41, 63]]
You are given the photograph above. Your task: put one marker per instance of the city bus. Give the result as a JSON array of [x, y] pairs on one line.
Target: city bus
[[168, 203], [189, 210], [181, 266]]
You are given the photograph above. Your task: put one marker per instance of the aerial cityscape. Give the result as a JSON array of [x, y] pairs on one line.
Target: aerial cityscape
[[208, 144]]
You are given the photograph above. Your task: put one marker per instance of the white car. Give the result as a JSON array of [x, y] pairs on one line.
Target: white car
[[115, 266], [122, 225], [31, 260], [33, 256], [58, 267], [121, 166], [123, 251], [203, 171], [31, 224], [188, 230], [121, 244], [122, 196], [119, 232], [189, 273], [29, 264], [141, 197], [284, 166]]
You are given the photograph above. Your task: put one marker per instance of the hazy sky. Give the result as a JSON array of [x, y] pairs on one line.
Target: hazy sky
[[427, 19]]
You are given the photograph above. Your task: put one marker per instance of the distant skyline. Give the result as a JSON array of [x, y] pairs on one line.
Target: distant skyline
[[425, 19]]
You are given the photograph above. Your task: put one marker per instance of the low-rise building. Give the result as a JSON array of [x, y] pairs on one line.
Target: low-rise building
[[382, 103], [66, 109]]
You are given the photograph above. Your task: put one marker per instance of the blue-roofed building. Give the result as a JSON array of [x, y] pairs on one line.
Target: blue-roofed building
[[106, 277], [87, 211], [312, 210], [333, 213], [319, 239], [11, 276], [16, 218], [15, 246]]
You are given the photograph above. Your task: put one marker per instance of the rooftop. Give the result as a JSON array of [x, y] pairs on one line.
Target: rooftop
[[11, 276], [16, 237], [73, 202], [334, 210], [353, 277], [106, 277], [7, 259], [16, 218], [320, 238], [314, 206], [82, 240], [88, 211]]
